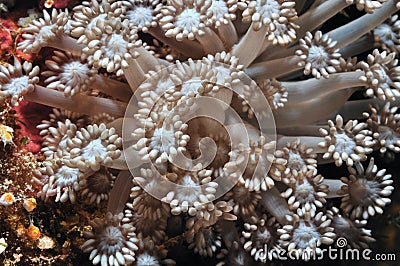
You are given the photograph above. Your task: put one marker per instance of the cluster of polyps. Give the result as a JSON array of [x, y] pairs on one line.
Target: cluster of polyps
[[307, 76]]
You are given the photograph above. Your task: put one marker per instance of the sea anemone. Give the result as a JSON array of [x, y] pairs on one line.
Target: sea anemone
[[195, 192], [58, 180], [112, 47], [203, 234], [60, 115], [299, 159], [382, 74], [43, 32], [245, 201], [260, 158], [348, 142], [66, 73], [259, 233], [111, 243], [352, 230], [55, 141], [146, 227], [150, 254], [306, 233], [384, 125], [388, 34], [143, 201], [305, 190], [97, 186], [365, 191], [93, 146], [142, 14], [318, 54], [17, 80], [184, 21]]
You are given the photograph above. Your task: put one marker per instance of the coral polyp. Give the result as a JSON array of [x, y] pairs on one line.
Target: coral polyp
[[214, 127]]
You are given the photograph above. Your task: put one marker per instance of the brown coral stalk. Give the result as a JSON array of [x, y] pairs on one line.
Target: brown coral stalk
[[300, 91], [79, 103], [311, 111], [120, 192], [250, 44], [228, 34], [66, 43], [274, 68], [113, 87], [275, 204], [352, 31]]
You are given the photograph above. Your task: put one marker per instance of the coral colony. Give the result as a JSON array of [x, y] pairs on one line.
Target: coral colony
[[146, 92]]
